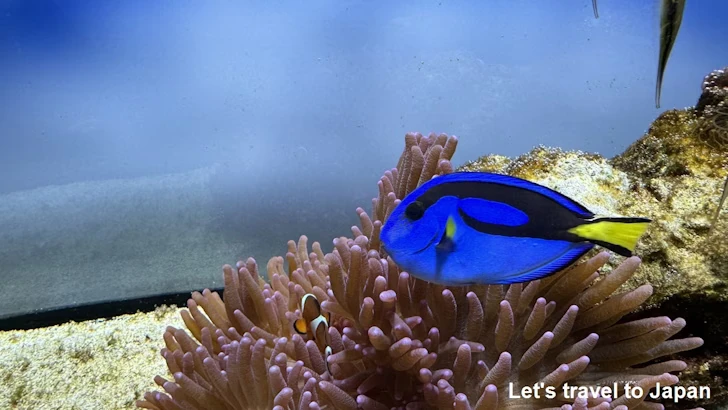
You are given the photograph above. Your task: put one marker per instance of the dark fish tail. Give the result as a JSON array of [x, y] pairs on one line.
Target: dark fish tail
[[619, 235], [670, 19]]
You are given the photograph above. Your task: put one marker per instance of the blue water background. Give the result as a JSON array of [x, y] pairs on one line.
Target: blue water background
[[287, 112]]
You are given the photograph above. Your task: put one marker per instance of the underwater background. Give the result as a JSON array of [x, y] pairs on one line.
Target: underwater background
[[145, 144], [137, 136]]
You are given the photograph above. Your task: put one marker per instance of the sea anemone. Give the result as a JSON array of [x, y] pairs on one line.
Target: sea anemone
[[400, 342]]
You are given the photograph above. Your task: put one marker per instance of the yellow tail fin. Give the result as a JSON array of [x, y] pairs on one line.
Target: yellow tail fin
[[617, 234]]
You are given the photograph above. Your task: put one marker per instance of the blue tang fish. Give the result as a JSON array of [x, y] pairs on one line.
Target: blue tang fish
[[481, 228]]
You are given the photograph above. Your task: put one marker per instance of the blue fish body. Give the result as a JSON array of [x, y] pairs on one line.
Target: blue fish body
[[481, 228]]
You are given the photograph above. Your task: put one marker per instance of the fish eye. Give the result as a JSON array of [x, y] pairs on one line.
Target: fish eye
[[414, 211]]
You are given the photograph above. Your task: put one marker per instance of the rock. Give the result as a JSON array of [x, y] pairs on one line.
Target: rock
[[96, 364], [677, 189], [674, 175], [715, 90]]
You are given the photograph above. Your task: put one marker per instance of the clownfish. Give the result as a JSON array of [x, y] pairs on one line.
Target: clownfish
[[315, 323]]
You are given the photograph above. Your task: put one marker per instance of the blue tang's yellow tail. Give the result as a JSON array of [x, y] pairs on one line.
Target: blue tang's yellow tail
[[617, 234]]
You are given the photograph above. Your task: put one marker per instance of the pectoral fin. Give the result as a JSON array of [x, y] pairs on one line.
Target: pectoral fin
[[446, 245]]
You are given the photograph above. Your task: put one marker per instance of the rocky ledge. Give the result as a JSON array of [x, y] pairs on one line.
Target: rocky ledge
[[675, 175]]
